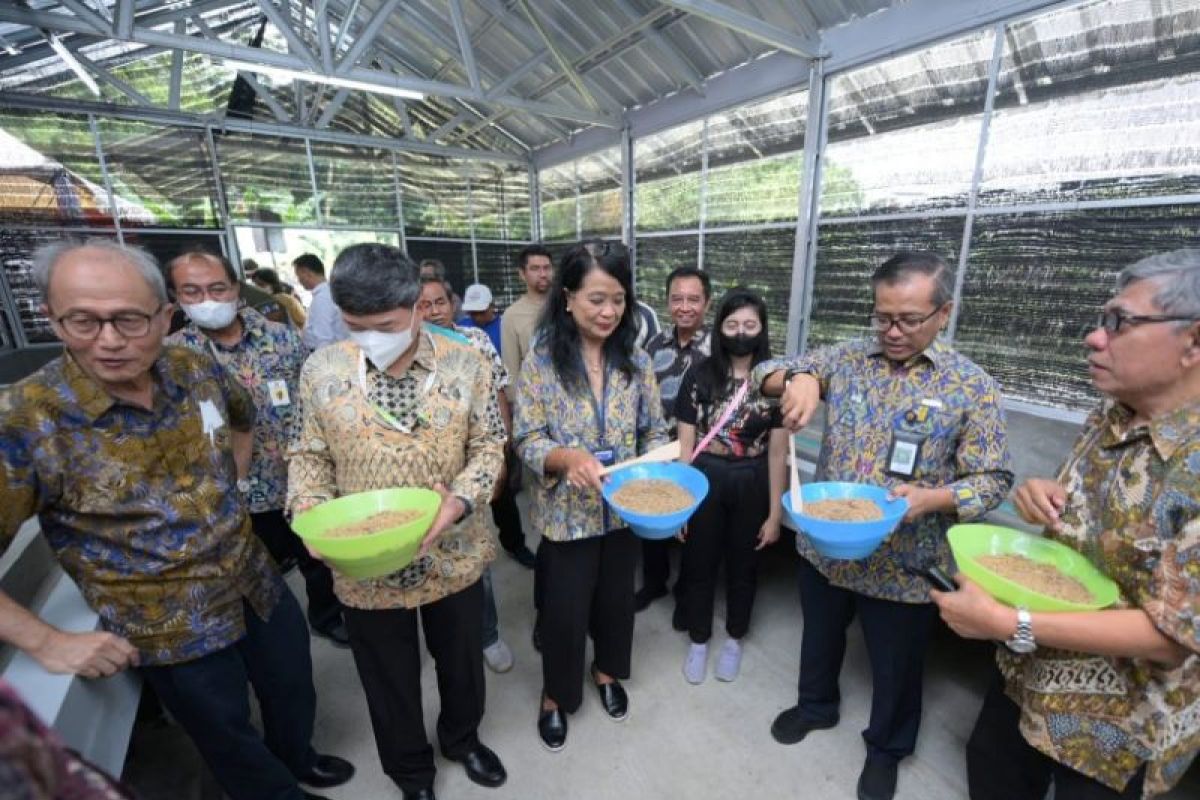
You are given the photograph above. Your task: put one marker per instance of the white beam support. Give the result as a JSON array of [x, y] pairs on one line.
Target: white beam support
[[107, 77], [464, 43], [449, 125], [85, 14], [264, 94], [323, 40], [405, 120], [366, 36], [563, 62], [123, 19], [516, 76], [803, 256], [296, 44], [176, 82], [755, 28], [676, 61]]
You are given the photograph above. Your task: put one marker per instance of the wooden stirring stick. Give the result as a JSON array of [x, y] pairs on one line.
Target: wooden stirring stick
[[666, 452], [797, 498]]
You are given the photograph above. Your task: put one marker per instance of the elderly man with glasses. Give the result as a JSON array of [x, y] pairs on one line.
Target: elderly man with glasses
[[126, 451], [905, 411], [265, 357], [1106, 704]]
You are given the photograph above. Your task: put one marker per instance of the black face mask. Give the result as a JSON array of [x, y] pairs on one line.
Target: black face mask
[[741, 345]]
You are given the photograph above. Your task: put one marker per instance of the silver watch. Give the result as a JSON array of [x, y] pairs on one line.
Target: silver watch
[[1022, 641]]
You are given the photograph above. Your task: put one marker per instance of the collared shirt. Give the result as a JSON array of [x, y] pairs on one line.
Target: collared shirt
[[436, 423], [548, 415], [671, 361], [517, 325], [939, 395], [267, 362], [1133, 509], [140, 505], [747, 432], [483, 343], [325, 324]]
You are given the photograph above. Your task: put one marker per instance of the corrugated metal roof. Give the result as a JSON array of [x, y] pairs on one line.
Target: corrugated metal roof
[[626, 53]]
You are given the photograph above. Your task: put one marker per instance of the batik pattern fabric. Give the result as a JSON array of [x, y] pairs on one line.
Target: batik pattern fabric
[[363, 429], [1133, 509], [671, 362], [549, 415], [747, 432], [266, 361], [938, 395], [140, 506]]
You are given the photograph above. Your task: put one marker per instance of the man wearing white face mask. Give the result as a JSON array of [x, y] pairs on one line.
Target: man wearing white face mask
[[265, 357], [402, 404]]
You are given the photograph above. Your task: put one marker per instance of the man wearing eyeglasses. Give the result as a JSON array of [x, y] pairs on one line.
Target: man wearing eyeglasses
[[905, 411], [265, 357], [1106, 704], [126, 452]]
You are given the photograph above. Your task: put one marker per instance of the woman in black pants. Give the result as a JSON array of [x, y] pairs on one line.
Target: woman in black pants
[[738, 441], [586, 398]]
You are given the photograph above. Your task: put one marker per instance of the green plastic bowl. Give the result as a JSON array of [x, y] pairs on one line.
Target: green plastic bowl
[[376, 554], [968, 542]]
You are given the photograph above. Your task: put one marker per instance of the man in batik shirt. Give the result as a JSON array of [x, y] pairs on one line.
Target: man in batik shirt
[[264, 357], [1106, 704], [125, 450], [904, 411]]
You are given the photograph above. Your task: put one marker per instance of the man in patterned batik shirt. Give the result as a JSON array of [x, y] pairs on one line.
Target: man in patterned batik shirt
[[125, 450], [672, 352], [1106, 704], [905, 411], [265, 357]]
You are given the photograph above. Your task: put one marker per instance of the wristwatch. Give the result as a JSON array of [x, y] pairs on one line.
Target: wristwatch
[[791, 373], [468, 505], [244, 485], [1022, 641]]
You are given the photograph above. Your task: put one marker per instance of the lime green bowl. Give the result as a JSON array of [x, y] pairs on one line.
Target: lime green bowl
[[968, 542], [375, 554]]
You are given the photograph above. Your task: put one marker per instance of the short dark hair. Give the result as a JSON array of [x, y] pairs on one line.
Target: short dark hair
[[270, 277], [439, 269], [907, 263], [372, 278], [691, 272], [532, 250], [199, 251], [311, 263], [445, 284], [250, 265]]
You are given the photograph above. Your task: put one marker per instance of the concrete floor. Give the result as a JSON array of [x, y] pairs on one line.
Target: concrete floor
[[680, 741]]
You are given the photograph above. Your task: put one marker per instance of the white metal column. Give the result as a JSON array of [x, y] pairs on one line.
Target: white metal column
[[805, 253]]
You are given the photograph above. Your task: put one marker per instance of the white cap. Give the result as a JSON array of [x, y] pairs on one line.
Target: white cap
[[477, 298]]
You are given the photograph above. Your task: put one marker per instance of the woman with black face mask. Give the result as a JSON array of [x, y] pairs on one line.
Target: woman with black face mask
[[736, 438]]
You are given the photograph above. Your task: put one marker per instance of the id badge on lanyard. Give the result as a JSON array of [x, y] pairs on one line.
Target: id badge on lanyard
[[909, 433]]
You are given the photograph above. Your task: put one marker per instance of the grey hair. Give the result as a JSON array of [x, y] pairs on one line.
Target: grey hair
[[1176, 274], [47, 257], [373, 278]]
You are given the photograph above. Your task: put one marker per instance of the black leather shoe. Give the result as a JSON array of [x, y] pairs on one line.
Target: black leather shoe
[[552, 729], [878, 779], [791, 726], [523, 556], [328, 771], [419, 794], [646, 595], [336, 634], [483, 767], [613, 698]]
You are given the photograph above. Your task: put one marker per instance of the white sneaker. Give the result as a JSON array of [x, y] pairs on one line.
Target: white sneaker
[[729, 660], [498, 657], [696, 664]]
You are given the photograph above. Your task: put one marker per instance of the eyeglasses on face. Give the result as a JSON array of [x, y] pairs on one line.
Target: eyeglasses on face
[[1112, 320], [130, 324], [907, 323]]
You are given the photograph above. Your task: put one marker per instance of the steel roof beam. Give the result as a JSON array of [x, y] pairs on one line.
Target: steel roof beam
[[464, 43], [296, 44], [563, 62], [366, 36], [753, 27], [677, 62]]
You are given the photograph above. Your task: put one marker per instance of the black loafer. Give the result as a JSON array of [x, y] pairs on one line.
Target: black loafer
[[328, 771], [552, 729], [646, 595], [613, 698], [336, 634], [791, 726], [483, 767], [878, 779], [425, 793]]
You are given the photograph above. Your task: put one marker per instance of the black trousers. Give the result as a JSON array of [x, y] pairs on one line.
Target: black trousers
[[897, 635], [387, 654], [589, 591], [725, 527], [507, 517], [1001, 765], [285, 546], [210, 699]]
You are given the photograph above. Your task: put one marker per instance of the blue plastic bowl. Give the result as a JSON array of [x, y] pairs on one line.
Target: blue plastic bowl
[[657, 526], [846, 541]]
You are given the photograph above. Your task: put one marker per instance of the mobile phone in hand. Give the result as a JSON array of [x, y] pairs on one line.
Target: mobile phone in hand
[[940, 580]]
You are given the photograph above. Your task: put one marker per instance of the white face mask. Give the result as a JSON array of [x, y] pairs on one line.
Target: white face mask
[[384, 348], [211, 314]]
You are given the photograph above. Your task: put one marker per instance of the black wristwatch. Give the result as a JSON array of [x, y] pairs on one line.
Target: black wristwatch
[[468, 505], [791, 373]]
